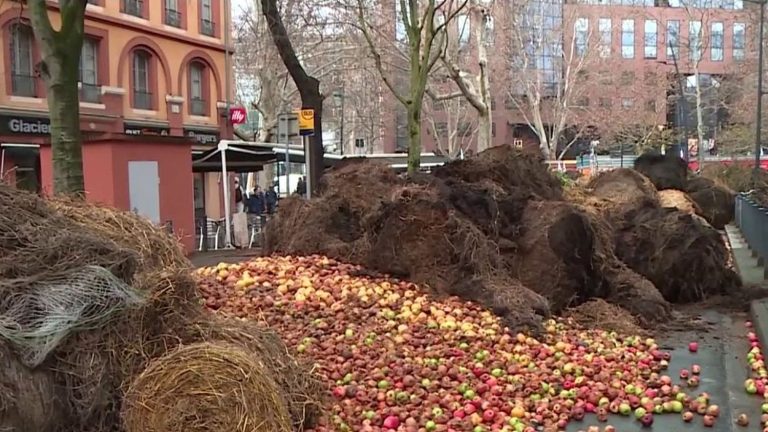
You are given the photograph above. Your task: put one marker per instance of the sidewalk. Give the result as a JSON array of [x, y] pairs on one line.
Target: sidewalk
[[211, 258], [751, 273]]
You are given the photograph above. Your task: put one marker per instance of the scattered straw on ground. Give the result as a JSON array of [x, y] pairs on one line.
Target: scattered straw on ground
[[599, 314], [672, 198], [205, 387]]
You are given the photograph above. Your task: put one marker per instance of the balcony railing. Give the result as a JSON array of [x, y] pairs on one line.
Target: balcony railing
[[173, 17], [207, 27], [90, 93], [133, 7], [23, 85], [142, 100], [197, 106]]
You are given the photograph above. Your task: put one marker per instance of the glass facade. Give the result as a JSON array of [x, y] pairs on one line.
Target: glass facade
[[650, 39], [628, 38]]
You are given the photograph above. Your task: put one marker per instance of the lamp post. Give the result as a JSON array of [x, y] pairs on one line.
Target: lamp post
[[338, 100], [680, 111]]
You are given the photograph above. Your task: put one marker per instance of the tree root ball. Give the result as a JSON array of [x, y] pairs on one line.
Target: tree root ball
[[665, 171], [671, 198], [717, 203], [685, 258], [205, 387]]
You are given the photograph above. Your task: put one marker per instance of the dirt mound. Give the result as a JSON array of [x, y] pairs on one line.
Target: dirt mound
[[87, 303], [512, 169], [671, 198], [665, 171], [717, 204], [622, 185], [685, 259]]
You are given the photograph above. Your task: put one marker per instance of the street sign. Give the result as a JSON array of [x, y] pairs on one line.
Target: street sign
[[306, 122], [287, 127]]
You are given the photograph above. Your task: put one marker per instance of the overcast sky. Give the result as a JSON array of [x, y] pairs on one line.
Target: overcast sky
[[238, 5]]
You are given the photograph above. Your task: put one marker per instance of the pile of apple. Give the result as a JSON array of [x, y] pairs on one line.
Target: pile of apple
[[757, 383], [396, 358]]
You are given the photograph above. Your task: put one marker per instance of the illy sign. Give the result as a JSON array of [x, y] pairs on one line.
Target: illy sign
[[237, 115]]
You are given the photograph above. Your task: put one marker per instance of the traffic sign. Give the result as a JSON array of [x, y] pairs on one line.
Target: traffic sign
[[306, 122]]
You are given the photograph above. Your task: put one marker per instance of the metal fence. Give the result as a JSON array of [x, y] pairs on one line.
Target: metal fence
[[752, 220], [211, 233]]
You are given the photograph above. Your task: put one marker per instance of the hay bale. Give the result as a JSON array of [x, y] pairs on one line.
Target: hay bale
[[665, 171], [717, 204], [514, 170], [29, 399], [598, 314], [205, 387], [671, 198], [685, 259]]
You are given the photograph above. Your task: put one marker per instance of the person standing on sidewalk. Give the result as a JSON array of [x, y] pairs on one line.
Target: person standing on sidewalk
[[239, 198]]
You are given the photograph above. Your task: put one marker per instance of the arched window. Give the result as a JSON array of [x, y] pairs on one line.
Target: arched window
[[197, 102], [199, 88], [23, 79], [142, 89]]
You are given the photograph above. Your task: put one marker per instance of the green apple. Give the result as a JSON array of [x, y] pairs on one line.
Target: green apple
[[625, 409], [640, 412]]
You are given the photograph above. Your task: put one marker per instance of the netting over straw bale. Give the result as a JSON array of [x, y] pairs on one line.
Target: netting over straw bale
[[205, 388], [37, 320]]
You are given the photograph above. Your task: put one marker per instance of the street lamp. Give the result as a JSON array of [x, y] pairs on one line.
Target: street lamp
[[682, 122], [338, 101]]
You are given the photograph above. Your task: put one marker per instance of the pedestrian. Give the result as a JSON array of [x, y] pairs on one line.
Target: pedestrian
[[256, 202], [271, 200], [301, 187], [239, 199]]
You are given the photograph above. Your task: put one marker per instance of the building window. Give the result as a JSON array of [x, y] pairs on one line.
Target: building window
[[694, 40], [142, 95], [604, 27], [90, 91], [172, 13], [628, 38], [197, 103], [133, 7], [542, 19], [462, 29], [23, 79], [673, 39], [581, 33], [716, 44], [650, 105], [651, 30], [604, 102], [489, 34], [739, 40], [206, 18], [627, 103], [400, 18]]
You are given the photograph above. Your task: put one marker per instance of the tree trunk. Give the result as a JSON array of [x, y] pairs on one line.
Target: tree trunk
[[699, 121], [66, 139], [414, 137], [59, 68], [484, 130], [308, 86]]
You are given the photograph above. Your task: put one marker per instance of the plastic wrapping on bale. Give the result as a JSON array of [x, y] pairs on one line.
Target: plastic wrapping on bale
[[512, 169], [665, 171], [685, 259], [208, 388]]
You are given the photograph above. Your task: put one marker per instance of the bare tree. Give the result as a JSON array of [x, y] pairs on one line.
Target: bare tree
[[472, 85], [453, 126], [59, 67], [548, 56], [264, 79], [419, 40]]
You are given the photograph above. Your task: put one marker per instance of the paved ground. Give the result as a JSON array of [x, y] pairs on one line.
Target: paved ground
[[209, 258], [722, 356]]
